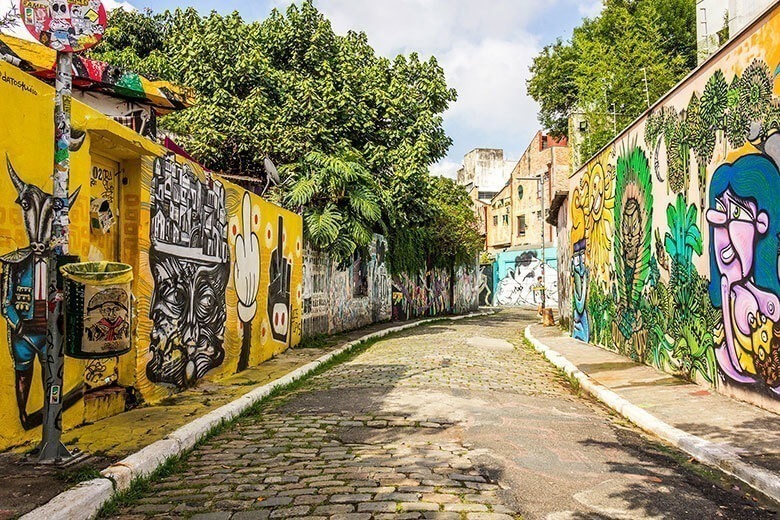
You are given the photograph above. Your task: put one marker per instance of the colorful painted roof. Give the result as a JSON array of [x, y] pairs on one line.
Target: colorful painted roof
[[89, 74]]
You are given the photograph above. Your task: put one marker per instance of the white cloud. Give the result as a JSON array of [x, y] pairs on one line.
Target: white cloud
[[445, 169], [591, 8], [485, 49]]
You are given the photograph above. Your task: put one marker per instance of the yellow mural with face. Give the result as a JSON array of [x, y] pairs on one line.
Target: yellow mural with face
[[593, 205]]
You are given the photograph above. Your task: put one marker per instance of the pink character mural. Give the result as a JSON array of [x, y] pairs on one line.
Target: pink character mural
[[744, 219]]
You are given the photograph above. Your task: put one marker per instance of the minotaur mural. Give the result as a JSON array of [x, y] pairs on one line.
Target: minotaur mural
[[25, 292], [190, 265]]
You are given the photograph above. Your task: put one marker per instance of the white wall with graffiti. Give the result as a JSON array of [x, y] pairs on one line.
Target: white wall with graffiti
[[515, 274], [335, 300]]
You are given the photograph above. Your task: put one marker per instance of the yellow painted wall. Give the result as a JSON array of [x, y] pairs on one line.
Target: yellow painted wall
[[26, 135]]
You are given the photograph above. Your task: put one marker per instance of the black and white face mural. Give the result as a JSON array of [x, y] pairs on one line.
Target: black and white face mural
[[190, 265]]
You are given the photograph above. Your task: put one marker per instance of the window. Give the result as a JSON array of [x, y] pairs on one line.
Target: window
[[505, 219], [495, 220], [521, 225]]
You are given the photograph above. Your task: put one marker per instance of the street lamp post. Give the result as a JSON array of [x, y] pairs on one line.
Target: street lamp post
[[540, 179]]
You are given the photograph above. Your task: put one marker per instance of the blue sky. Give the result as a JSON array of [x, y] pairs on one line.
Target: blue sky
[[485, 48]]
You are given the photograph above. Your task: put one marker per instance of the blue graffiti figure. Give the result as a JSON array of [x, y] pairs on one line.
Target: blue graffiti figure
[[25, 291], [581, 275]]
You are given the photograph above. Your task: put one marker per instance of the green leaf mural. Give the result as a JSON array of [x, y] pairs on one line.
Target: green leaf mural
[[633, 238], [683, 237]]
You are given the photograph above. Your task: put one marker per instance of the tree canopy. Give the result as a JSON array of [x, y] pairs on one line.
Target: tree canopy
[[599, 74], [341, 121]]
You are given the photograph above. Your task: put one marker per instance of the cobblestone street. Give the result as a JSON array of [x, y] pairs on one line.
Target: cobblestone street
[[450, 420]]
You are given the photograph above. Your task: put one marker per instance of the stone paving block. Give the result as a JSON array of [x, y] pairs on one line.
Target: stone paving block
[[333, 509], [276, 501], [419, 506], [377, 507], [465, 507], [212, 516], [251, 515]]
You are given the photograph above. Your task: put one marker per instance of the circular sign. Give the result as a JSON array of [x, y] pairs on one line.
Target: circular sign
[[65, 25]]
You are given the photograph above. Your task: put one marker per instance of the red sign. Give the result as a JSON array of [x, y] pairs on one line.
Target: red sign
[[65, 25]]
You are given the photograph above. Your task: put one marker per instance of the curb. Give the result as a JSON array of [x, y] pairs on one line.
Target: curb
[[723, 458], [84, 501]]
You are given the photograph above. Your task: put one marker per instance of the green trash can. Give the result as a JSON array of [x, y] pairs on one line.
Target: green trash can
[[98, 309]]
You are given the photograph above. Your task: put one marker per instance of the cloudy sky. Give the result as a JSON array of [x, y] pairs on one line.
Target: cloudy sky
[[484, 46]]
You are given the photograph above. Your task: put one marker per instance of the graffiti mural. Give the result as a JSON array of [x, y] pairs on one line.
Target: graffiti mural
[[280, 272], [339, 299], [190, 264], [486, 284], [246, 276], [425, 294], [691, 279], [466, 290], [519, 272], [594, 201], [632, 247], [744, 224], [25, 291], [580, 280]]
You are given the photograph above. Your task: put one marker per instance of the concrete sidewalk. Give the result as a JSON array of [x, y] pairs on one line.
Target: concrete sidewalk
[[738, 438]]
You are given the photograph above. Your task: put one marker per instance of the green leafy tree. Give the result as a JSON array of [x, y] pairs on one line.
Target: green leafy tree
[[319, 104], [338, 197], [600, 72]]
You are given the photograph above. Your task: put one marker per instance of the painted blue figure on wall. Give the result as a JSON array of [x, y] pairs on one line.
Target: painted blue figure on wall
[[581, 275], [744, 219], [25, 293]]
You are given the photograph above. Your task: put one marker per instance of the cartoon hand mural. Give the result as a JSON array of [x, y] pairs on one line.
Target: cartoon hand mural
[[246, 277], [280, 272], [247, 268]]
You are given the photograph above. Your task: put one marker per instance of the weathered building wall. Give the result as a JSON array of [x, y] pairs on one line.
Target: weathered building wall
[[675, 225], [218, 280], [516, 273], [514, 217], [335, 300], [465, 291]]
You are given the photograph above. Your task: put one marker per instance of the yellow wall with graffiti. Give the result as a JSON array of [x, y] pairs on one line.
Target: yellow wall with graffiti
[[674, 227], [117, 165]]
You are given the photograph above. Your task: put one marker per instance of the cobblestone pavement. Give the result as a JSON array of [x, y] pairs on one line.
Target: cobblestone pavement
[[452, 420]]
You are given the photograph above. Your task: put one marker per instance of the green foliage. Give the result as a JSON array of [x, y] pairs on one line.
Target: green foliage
[[338, 198], [354, 133], [448, 239], [605, 62]]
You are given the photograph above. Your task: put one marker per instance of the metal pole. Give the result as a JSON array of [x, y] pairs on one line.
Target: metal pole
[[51, 449], [543, 259], [647, 91]]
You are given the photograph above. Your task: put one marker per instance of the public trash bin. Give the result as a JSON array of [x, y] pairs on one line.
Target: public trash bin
[[98, 309]]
